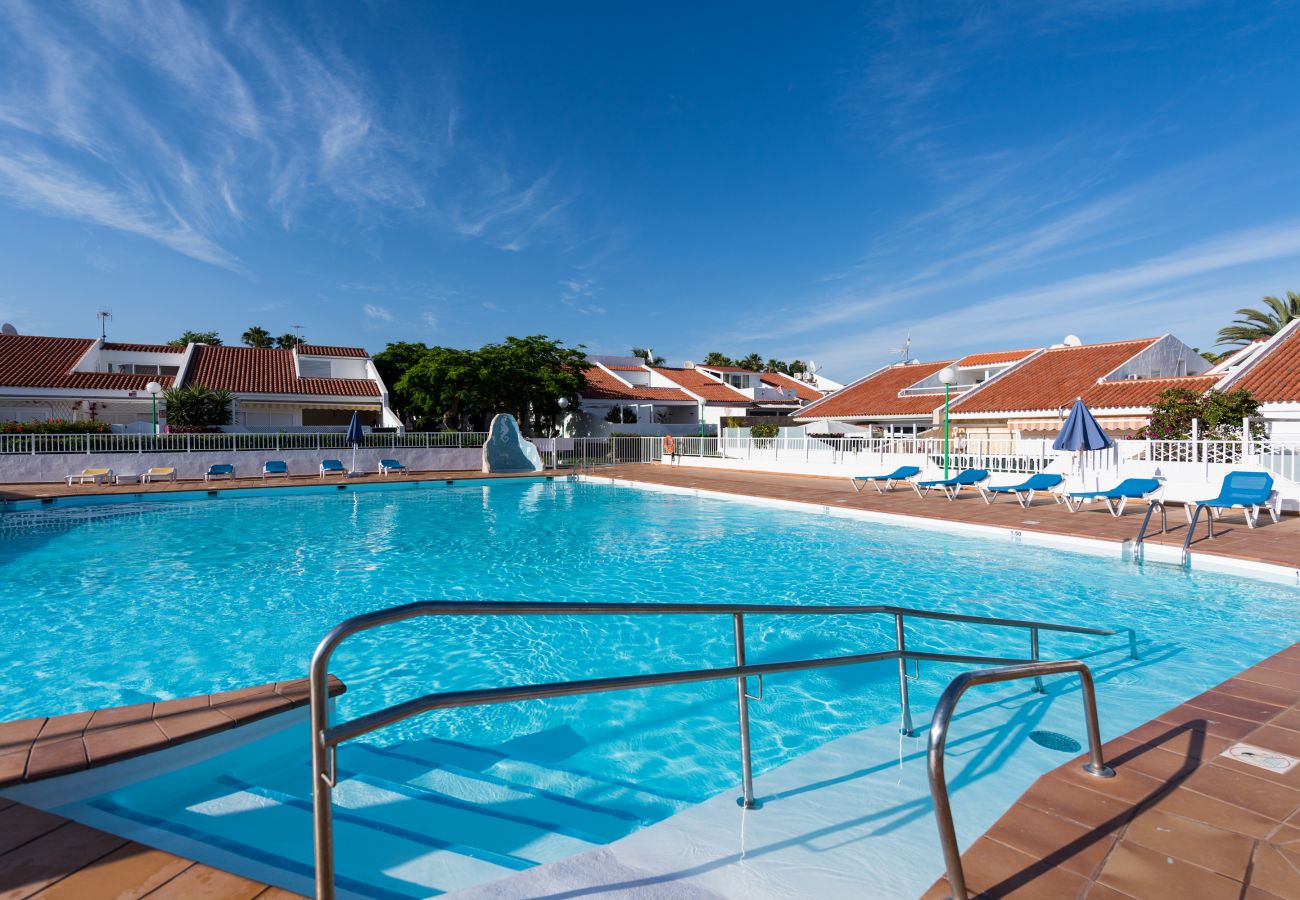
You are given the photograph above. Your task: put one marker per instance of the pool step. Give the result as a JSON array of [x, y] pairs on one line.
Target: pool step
[[414, 819]]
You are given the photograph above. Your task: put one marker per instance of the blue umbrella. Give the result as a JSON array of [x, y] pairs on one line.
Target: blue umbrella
[[1081, 432], [354, 438]]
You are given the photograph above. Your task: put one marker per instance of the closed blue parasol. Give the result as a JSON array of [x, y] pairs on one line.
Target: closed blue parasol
[[354, 438], [1082, 432]]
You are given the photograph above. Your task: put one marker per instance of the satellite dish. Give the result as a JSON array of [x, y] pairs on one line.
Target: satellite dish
[[689, 364], [1072, 340], [6, 328], [812, 369]]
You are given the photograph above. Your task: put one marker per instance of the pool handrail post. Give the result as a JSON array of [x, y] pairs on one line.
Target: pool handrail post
[[746, 798], [1033, 654], [943, 713], [900, 641]]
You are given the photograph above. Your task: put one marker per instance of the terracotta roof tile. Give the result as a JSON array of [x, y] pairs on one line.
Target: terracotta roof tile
[[993, 359], [614, 368], [1142, 391], [322, 350], [1276, 377], [877, 395], [30, 361], [1051, 380], [701, 385], [725, 368], [801, 390], [603, 386], [144, 348], [245, 370]]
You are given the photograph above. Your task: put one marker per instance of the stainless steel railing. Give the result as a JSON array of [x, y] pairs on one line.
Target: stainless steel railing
[[943, 713], [326, 738]]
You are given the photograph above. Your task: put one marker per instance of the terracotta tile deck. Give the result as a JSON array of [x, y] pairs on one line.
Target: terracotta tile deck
[[33, 749], [52, 858], [47, 856], [1277, 544], [1179, 819]]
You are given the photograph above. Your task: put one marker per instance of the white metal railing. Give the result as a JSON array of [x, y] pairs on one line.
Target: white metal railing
[[962, 453], [1280, 458], [34, 444]]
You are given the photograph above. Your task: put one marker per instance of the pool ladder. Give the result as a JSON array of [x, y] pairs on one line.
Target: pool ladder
[[326, 737]]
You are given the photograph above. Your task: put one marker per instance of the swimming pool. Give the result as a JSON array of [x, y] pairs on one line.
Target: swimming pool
[[132, 602]]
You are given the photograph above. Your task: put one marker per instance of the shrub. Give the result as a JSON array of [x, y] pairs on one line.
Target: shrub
[[194, 408], [1219, 415], [55, 426]]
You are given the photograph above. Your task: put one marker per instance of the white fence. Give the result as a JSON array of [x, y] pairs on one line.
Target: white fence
[[34, 444], [1190, 469]]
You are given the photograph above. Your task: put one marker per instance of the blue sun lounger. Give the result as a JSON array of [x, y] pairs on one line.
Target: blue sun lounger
[[1024, 492], [1117, 497], [219, 470], [390, 465], [275, 467], [902, 473], [1247, 491], [952, 486], [332, 467]]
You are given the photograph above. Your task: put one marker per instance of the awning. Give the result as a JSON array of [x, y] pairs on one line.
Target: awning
[[1127, 424]]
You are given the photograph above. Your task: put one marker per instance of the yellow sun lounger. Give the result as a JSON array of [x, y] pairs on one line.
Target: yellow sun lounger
[[94, 476], [159, 473]]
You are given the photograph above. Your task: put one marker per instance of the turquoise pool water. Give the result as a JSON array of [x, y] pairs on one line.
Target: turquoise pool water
[[132, 602]]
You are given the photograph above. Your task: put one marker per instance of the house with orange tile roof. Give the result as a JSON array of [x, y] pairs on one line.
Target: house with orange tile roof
[[903, 398], [309, 386], [1271, 372], [1118, 380], [625, 394]]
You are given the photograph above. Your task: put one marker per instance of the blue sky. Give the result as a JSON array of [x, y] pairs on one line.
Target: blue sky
[[803, 183]]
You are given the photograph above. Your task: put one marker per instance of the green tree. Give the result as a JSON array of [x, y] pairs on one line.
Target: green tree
[[393, 362], [528, 376], [644, 353], [1219, 414], [797, 367], [441, 383], [1256, 324], [197, 408], [288, 341], [195, 337], [753, 363], [717, 359], [776, 365], [257, 337]]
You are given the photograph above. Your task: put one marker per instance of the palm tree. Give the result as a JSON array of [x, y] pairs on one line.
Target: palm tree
[[288, 341], [257, 337], [1257, 324], [718, 359], [645, 353], [753, 363]]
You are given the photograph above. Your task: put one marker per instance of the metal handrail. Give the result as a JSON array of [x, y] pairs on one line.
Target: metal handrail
[[1152, 505], [943, 712], [326, 738]]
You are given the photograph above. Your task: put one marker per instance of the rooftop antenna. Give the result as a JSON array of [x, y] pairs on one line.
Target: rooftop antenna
[[905, 351], [297, 336], [104, 315]]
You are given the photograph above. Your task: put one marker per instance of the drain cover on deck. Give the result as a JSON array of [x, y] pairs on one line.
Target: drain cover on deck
[[1054, 741], [1264, 759]]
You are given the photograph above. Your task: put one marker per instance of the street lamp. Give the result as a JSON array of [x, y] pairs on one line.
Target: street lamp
[[154, 389], [563, 403], [947, 375]]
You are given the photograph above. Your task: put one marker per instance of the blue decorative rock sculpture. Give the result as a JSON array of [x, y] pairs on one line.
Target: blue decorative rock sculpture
[[507, 450]]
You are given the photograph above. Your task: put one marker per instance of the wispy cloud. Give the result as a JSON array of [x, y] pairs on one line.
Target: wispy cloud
[[1166, 292], [190, 126], [579, 293], [376, 313]]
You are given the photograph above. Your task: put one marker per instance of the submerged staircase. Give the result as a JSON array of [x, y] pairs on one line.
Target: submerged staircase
[[414, 819]]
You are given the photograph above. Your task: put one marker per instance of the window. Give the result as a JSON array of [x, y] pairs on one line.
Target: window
[[314, 368]]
